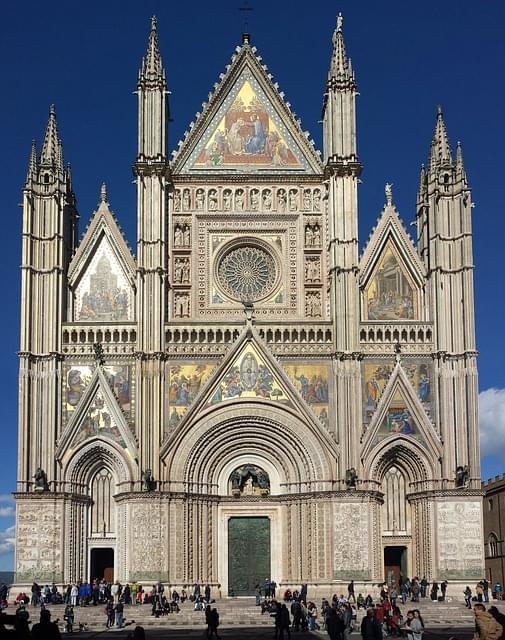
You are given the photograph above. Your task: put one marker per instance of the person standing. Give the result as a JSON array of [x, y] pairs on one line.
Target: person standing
[[485, 587], [119, 609], [413, 627], [370, 628], [468, 597], [68, 616], [110, 613], [207, 593], [45, 629], [284, 623], [424, 586], [213, 624], [350, 592]]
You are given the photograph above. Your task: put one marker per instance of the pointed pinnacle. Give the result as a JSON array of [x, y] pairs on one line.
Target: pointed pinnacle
[[50, 151], [151, 64], [459, 157], [32, 162], [340, 70], [441, 151]]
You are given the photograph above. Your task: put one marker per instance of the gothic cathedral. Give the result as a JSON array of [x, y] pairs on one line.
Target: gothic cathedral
[[248, 396]]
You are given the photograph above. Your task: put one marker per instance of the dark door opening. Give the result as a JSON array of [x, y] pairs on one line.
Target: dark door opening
[[395, 565], [102, 564], [248, 554]]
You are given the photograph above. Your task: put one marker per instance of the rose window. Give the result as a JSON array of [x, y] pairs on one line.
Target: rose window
[[247, 273]]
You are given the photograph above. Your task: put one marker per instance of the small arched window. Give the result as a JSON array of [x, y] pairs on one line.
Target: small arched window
[[492, 546]]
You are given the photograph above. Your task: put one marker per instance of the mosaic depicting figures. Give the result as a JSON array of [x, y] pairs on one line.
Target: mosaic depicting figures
[[389, 295], [311, 380], [377, 373], [99, 422], [249, 377], [184, 384], [247, 135], [77, 377], [103, 294]]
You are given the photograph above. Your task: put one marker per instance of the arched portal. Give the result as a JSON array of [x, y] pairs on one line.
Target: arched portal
[[401, 466], [98, 469], [248, 455]]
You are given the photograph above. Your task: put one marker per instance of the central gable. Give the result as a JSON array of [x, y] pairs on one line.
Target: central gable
[[246, 128]]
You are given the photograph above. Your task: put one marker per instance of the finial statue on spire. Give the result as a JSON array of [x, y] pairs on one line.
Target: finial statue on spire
[[154, 23], [340, 22], [103, 193], [389, 193]]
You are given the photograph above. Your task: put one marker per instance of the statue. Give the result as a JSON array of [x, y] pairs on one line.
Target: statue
[[99, 353], [340, 21], [398, 351], [148, 483], [462, 476], [40, 478], [351, 478], [389, 193]]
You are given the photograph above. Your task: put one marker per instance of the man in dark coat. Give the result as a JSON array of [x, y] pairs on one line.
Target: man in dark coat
[[45, 629], [370, 628], [334, 624]]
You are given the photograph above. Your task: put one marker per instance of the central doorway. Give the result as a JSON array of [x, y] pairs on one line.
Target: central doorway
[[395, 565], [102, 564], [248, 554]]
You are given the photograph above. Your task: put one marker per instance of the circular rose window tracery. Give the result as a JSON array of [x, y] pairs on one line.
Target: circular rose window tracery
[[247, 273]]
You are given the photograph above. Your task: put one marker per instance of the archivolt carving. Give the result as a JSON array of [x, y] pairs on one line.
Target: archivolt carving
[[93, 456], [300, 454], [404, 453]]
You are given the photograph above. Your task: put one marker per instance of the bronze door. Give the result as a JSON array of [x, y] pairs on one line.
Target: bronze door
[[248, 554]]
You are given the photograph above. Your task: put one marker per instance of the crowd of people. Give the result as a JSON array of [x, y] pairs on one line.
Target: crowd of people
[[291, 611]]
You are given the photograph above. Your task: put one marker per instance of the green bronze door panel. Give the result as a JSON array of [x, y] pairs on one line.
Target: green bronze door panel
[[248, 554]]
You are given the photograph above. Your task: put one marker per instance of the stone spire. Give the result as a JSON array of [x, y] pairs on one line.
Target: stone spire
[[440, 149], [33, 163], [152, 68], [460, 166], [340, 74], [51, 153]]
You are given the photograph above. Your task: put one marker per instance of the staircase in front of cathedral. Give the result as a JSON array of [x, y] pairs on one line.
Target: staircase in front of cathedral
[[242, 613]]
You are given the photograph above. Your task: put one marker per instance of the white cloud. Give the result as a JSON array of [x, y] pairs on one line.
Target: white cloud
[[7, 540], [7, 511], [492, 422], [6, 497]]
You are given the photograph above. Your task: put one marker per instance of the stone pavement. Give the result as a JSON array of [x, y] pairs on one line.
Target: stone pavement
[[241, 619]]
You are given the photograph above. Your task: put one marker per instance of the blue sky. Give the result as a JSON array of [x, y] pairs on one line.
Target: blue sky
[[408, 58]]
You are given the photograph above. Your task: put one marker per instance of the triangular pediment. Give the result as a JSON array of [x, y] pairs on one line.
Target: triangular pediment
[[390, 229], [97, 416], [400, 413], [391, 273], [247, 373], [246, 127], [102, 272]]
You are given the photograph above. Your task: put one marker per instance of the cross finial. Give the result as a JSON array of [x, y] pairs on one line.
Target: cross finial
[[245, 9], [340, 22], [154, 23], [103, 193]]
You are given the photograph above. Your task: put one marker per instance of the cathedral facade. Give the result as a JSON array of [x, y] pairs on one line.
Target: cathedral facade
[[248, 396]]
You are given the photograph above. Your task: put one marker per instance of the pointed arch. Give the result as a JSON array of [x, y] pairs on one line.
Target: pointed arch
[[86, 461], [276, 438]]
